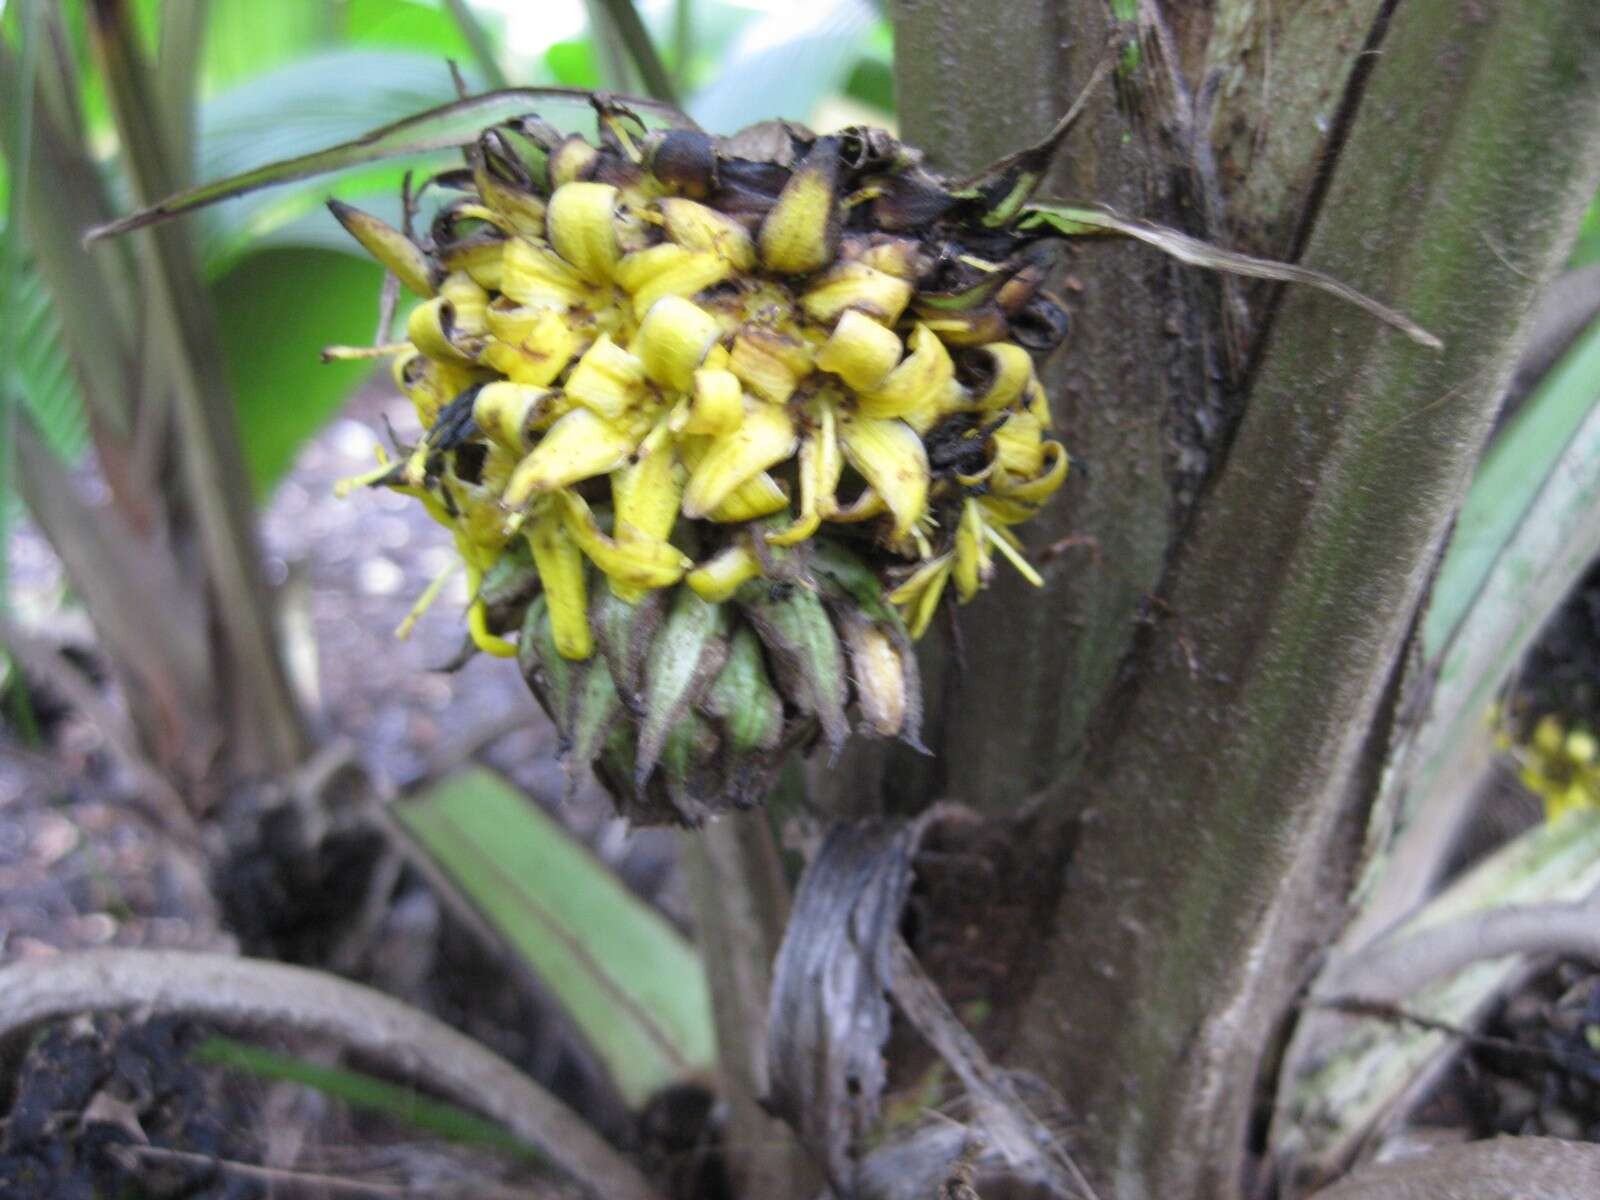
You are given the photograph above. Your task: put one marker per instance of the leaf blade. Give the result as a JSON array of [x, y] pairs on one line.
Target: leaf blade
[[632, 985], [283, 392], [1507, 485], [445, 127], [360, 1090], [1073, 221]]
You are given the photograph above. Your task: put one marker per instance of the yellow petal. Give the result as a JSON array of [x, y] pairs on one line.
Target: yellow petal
[[481, 259], [529, 345], [699, 227], [1009, 372], [890, 457], [821, 464], [478, 518], [580, 224], [431, 327], [1043, 485], [532, 273], [1019, 446], [1037, 401], [863, 508], [903, 258], [798, 530], [431, 384], [717, 405], [579, 446], [467, 211], [574, 157], [856, 287], [978, 326], [951, 398], [765, 437], [768, 363], [513, 413], [484, 638], [517, 210], [860, 351], [673, 341], [921, 378], [398, 253], [646, 493], [469, 302], [669, 270], [478, 620], [721, 575], [797, 235], [607, 379], [919, 594], [757, 497], [973, 563], [630, 558], [560, 565]]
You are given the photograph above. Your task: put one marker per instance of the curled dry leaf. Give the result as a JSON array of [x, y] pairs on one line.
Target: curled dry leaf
[[841, 960], [1080, 220], [830, 1006]]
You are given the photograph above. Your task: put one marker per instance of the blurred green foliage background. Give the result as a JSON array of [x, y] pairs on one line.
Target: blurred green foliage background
[[281, 77]]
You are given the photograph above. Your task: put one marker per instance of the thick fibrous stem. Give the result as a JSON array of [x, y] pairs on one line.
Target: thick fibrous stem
[[1234, 777], [220, 988]]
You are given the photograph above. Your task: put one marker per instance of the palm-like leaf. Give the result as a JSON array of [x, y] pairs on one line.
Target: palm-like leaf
[[448, 126]]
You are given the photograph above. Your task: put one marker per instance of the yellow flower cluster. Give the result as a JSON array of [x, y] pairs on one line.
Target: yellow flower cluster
[[1559, 765], [621, 372]]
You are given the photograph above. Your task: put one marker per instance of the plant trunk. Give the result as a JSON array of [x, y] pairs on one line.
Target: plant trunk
[[976, 82], [1205, 690]]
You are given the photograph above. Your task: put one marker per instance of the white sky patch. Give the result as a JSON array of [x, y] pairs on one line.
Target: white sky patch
[[533, 26]]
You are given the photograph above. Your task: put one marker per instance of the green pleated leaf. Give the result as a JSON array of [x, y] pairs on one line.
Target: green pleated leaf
[[573, 63], [871, 80], [40, 374], [631, 984]]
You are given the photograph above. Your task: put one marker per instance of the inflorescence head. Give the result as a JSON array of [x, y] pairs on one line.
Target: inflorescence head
[[716, 423]]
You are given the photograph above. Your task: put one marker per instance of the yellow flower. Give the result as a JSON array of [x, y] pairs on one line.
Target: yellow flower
[[741, 416], [1559, 765]]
